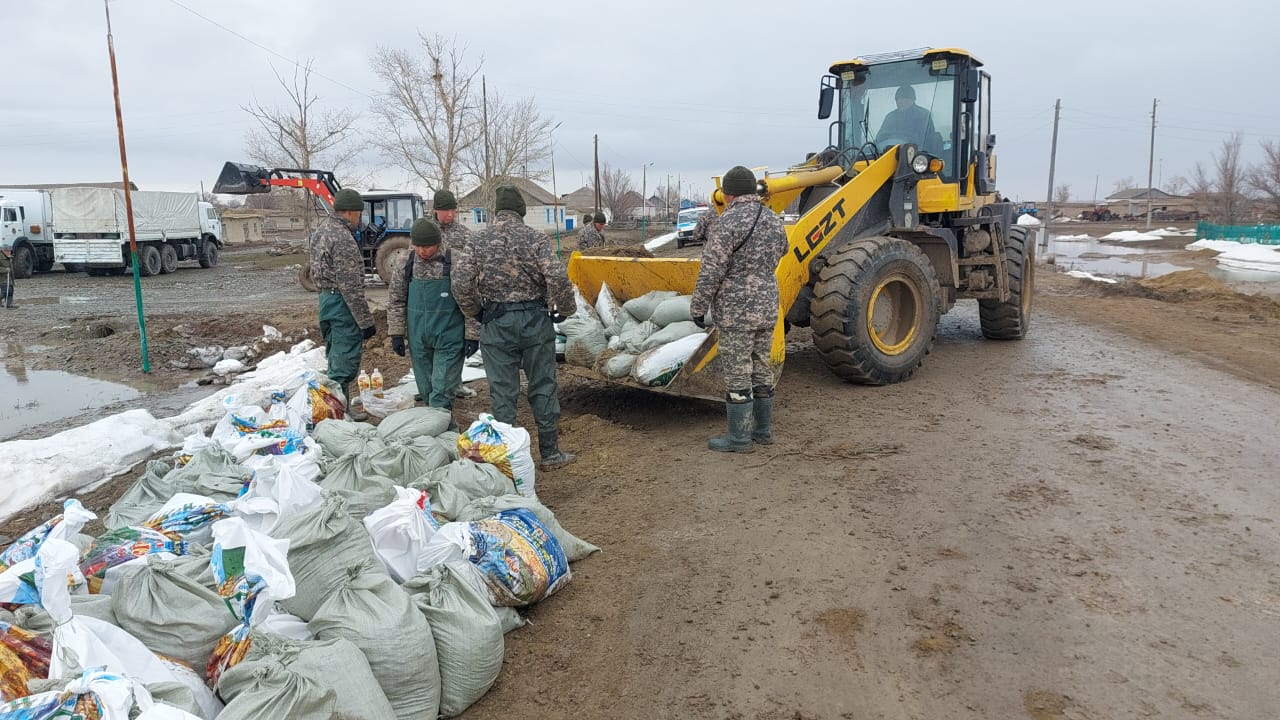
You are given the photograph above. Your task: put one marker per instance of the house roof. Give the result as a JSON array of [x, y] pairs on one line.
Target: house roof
[[533, 193], [1141, 194], [55, 186], [584, 198]]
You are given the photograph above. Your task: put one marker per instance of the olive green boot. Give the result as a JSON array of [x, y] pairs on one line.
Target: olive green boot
[[762, 409], [739, 438]]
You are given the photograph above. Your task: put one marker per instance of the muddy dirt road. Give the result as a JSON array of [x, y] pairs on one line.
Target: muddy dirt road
[[1081, 525]]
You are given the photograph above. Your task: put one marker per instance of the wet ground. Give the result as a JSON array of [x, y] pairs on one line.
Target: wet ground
[[1079, 525]]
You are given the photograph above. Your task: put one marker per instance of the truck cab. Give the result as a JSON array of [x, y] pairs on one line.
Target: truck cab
[[210, 222], [26, 230]]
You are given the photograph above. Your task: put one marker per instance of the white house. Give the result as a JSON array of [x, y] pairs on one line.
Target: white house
[[542, 211]]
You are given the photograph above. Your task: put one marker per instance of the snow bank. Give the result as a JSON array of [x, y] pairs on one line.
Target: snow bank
[[1028, 221], [1130, 236], [1243, 256], [659, 241], [1072, 238], [1090, 276], [35, 471]]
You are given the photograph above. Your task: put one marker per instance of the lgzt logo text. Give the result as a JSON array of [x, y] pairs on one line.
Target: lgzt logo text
[[820, 232]]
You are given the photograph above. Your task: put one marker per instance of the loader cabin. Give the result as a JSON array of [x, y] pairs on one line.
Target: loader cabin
[[937, 99]]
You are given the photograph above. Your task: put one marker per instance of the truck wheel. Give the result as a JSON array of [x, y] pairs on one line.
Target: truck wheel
[[73, 267], [391, 253], [875, 310], [305, 280], [24, 262], [168, 259], [209, 255], [148, 261], [45, 265], [1010, 319]]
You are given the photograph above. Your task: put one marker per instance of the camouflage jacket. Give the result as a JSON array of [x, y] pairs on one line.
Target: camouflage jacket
[[398, 290], [455, 236], [703, 226], [590, 238], [5, 263], [510, 262], [740, 288], [338, 264]]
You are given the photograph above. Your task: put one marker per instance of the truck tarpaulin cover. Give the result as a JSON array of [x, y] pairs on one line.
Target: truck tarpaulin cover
[[101, 210]]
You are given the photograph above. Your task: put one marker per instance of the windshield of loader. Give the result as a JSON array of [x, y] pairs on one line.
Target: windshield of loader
[[895, 103]]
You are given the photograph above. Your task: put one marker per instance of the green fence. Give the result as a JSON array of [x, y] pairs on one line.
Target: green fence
[[1260, 234]]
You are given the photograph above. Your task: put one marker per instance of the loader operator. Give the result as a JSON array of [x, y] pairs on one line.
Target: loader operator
[[337, 266], [736, 283], [515, 285], [454, 238], [420, 301], [909, 123], [593, 234]]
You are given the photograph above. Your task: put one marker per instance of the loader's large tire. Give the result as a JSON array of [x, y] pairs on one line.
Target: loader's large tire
[[1010, 319], [875, 310], [149, 262], [392, 252], [304, 278], [24, 262]]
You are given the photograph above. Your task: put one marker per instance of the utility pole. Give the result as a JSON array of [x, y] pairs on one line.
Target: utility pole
[[644, 198], [596, 142], [1095, 193], [1053, 159], [488, 175], [557, 210], [667, 199], [1151, 159]]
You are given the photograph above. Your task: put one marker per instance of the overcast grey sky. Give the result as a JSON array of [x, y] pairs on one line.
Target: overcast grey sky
[[692, 87]]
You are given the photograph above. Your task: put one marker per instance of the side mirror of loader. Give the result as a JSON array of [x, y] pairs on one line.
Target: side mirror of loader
[[969, 86], [826, 98]]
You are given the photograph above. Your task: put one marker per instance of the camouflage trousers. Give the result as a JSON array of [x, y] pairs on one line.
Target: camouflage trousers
[[745, 354]]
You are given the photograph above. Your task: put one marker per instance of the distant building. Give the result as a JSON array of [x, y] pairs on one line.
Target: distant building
[[1133, 202], [542, 210], [240, 228]]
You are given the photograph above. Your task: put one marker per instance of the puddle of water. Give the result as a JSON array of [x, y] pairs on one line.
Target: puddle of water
[[60, 300], [34, 397], [1107, 258]]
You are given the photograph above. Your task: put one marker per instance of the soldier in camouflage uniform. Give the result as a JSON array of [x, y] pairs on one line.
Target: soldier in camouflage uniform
[[593, 234], [420, 306], [736, 283], [515, 285], [445, 206], [702, 227], [337, 267], [6, 278]]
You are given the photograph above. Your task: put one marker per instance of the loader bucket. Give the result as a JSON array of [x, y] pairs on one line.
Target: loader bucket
[[238, 179], [702, 375]]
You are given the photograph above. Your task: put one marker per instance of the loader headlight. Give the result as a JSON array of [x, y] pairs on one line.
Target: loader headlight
[[920, 164]]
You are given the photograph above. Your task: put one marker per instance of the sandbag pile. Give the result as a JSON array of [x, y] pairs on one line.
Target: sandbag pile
[[297, 566], [647, 339]]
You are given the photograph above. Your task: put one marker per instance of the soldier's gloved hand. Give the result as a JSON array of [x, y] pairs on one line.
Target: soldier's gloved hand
[[369, 331], [556, 316], [701, 321], [397, 345], [469, 347]]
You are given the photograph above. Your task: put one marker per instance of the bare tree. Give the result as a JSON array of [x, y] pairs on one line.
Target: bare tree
[[1264, 178], [1177, 185], [668, 196], [1062, 194], [1124, 183], [1201, 187], [1230, 179], [617, 191], [302, 134]]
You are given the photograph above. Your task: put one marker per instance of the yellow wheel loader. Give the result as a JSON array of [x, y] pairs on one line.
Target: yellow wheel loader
[[898, 218]]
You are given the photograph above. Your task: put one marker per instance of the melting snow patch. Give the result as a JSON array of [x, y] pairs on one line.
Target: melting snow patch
[[1130, 236], [1028, 221], [659, 241], [1090, 276], [1072, 238], [1244, 256]]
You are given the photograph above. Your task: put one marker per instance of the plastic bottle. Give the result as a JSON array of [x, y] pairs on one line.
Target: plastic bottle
[[363, 381], [375, 382]]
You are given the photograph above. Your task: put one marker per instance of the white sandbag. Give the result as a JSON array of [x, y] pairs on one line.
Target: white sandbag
[[400, 532], [621, 321], [521, 560], [212, 472], [574, 548], [363, 491], [273, 495], [506, 446], [607, 306], [325, 544], [414, 422], [64, 526], [109, 694], [170, 613], [450, 440], [585, 340], [467, 632], [615, 343], [672, 310], [455, 485], [585, 309], [642, 308], [618, 366], [335, 664], [343, 437], [659, 365], [189, 516], [670, 334], [267, 689], [372, 612], [406, 459], [634, 335]]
